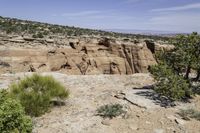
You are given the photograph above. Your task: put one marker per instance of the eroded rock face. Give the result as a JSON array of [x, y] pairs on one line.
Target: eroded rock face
[[75, 56]]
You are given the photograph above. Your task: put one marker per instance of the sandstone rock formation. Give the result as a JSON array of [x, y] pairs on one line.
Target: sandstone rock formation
[[75, 55]]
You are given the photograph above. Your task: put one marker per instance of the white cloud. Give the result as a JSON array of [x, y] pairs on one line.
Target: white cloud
[[178, 8], [95, 14], [83, 13], [113, 19], [184, 22], [105, 19]]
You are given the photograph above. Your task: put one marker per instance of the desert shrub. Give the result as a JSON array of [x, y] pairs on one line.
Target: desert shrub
[[110, 111], [189, 113], [170, 84], [34, 36], [36, 92], [38, 35], [12, 116]]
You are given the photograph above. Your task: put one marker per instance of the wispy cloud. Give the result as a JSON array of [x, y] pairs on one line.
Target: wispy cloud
[[102, 19], [162, 19], [83, 13], [178, 8], [185, 22], [95, 14]]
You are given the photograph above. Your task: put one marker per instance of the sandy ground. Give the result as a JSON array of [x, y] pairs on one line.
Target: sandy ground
[[89, 92]]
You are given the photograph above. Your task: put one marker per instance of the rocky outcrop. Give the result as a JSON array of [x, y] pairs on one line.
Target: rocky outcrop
[[76, 56]]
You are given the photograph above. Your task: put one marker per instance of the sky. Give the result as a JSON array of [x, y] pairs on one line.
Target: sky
[[157, 15]]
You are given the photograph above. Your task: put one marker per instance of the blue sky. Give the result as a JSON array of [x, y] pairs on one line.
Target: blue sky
[[161, 15]]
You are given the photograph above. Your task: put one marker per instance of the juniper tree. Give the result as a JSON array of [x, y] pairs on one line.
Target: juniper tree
[[175, 65]]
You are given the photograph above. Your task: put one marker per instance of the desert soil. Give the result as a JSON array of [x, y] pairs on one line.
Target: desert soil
[[88, 92]]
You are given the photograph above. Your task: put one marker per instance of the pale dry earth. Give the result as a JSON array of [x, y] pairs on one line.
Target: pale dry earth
[[88, 92]]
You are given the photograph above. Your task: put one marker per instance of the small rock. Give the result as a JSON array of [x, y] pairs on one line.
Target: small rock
[[119, 96], [126, 116], [147, 122], [171, 118], [26, 38], [134, 127], [106, 122], [138, 116], [171, 129], [161, 122], [158, 131], [49, 40], [179, 121]]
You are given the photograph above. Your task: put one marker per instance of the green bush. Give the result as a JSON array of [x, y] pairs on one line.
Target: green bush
[[36, 92], [12, 116], [34, 36], [174, 67], [38, 35], [110, 111], [169, 84], [189, 113]]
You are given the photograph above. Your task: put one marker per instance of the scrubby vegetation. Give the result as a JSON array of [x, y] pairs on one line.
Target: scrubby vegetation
[[169, 84], [189, 113], [36, 92], [110, 111], [12, 116], [38, 35], [40, 30], [175, 65], [31, 96]]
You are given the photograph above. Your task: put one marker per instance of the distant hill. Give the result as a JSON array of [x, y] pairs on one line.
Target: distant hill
[[38, 29], [146, 32]]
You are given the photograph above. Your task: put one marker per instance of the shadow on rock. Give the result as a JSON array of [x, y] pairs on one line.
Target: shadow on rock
[[157, 99]]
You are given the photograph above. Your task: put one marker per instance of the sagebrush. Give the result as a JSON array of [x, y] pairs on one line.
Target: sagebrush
[[190, 113], [36, 92], [110, 111]]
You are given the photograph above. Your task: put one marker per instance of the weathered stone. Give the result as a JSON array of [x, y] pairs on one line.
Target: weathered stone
[[28, 38], [138, 98], [49, 40], [106, 122], [78, 56], [175, 119], [158, 131]]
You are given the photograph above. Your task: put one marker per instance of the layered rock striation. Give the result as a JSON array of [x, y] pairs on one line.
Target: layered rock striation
[[79, 56]]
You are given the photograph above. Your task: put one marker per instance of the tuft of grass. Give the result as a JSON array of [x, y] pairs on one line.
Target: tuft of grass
[[110, 111], [190, 113]]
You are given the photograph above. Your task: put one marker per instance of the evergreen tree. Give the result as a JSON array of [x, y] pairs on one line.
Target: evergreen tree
[[174, 67]]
